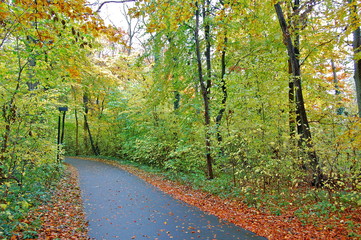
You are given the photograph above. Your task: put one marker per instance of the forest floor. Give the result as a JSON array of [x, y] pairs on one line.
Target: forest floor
[[64, 217]]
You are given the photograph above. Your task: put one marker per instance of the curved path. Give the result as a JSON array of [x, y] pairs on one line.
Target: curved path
[[119, 205]]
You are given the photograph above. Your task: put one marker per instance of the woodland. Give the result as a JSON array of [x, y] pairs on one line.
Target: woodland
[[258, 100]]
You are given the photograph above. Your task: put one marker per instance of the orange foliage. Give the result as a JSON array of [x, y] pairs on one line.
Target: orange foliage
[[236, 68], [73, 72], [4, 13], [64, 15], [114, 34]]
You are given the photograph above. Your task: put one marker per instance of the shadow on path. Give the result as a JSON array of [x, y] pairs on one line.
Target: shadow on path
[[119, 205]]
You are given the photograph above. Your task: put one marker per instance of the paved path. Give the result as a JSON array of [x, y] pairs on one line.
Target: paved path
[[119, 205]]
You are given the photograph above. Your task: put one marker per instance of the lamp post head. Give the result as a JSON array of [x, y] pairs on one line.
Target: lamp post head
[[63, 109]]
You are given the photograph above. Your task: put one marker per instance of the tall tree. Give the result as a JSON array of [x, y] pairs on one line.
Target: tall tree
[[87, 129], [223, 64], [205, 79], [292, 46]]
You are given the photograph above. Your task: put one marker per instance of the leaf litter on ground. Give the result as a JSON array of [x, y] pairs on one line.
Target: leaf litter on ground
[[63, 217]]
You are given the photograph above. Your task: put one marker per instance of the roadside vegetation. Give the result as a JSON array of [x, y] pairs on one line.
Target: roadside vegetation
[[57, 215]]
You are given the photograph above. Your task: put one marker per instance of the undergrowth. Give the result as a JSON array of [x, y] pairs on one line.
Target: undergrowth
[[17, 200]]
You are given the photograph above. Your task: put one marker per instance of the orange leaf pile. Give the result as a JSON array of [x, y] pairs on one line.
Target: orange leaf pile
[[63, 217]]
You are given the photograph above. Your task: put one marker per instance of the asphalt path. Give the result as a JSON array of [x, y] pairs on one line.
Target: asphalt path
[[120, 205]]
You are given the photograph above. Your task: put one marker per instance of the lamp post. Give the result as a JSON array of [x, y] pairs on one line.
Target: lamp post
[[61, 121]]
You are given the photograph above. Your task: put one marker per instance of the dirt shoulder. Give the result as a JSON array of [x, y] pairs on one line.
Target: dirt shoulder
[[63, 216]]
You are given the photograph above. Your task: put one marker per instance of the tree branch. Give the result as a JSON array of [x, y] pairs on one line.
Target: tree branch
[[315, 48], [103, 3]]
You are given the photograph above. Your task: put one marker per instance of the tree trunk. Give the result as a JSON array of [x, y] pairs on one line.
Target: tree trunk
[[357, 49], [303, 125], [339, 109], [95, 150], [291, 103], [86, 124], [205, 89], [335, 79], [176, 102], [224, 90], [9, 115], [207, 36], [225, 93]]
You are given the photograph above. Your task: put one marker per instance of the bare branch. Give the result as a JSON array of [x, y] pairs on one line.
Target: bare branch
[[103, 3]]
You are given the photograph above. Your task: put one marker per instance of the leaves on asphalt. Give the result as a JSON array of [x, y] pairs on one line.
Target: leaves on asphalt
[[285, 226]]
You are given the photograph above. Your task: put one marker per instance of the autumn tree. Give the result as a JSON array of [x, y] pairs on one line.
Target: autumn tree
[[292, 42]]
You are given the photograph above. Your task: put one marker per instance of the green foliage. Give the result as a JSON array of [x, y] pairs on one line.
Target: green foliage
[[150, 151], [42, 45], [18, 200], [186, 159]]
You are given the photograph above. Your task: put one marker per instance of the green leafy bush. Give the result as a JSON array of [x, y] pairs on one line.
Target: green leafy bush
[[16, 200]]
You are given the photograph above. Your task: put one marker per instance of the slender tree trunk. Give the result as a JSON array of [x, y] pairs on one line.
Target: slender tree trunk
[[357, 49], [224, 91], [176, 102], [340, 109], [224, 100], [207, 36], [76, 124], [9, 115], [86, 124], [95, 150], [291, 103], [300, 121], [205, 94], [357, 66], [85, 130], [335, 79], [303, 125]]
